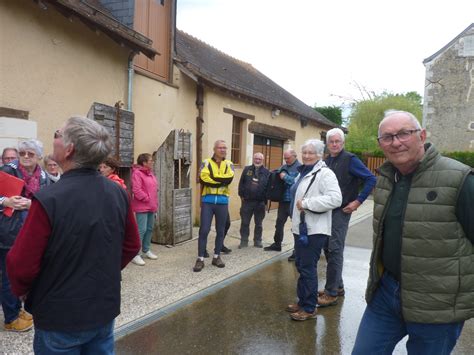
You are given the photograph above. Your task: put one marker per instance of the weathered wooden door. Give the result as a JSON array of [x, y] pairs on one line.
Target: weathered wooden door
[[120, 124], [172, 168]]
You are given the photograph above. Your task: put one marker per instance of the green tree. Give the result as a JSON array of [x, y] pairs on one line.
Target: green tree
[[332, 113], [366, 115]]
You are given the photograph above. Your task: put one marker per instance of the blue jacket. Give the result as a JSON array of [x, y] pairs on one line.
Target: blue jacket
[[291, 174]]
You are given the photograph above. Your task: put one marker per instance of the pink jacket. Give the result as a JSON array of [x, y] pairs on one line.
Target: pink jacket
[[144, 190]]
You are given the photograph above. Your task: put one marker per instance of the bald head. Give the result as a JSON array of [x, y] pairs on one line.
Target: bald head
[[397, 115], [402, 140]]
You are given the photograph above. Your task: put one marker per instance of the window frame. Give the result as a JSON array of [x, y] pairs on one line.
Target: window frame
[[237, 151]]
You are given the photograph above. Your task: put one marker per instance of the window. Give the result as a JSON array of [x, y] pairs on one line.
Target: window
[[236, 148], [153, 19]]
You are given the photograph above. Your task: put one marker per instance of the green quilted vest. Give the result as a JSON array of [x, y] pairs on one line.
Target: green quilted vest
[[437, 260]]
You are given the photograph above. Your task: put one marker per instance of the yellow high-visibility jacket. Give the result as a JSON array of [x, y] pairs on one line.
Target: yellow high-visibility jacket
[[215, 179]]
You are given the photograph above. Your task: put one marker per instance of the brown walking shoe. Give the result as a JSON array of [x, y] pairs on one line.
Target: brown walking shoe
[[199, 265], [326, 300], [303, 315], [218, 262], [292, 308], [340, 292], [25, 315], [19, 325]]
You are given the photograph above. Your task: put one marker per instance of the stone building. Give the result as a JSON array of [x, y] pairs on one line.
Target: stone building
[[448, 112]]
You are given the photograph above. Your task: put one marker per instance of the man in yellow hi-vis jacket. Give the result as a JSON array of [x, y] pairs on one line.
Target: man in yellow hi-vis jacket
[[215, 176]]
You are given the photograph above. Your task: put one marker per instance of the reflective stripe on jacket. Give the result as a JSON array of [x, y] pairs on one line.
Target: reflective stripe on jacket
[[215, 178]]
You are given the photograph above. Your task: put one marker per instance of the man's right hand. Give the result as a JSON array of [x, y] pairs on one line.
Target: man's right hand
[[282, 175]]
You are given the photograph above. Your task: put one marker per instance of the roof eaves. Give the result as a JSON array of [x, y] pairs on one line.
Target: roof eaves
[[97, 18], [433, 56]]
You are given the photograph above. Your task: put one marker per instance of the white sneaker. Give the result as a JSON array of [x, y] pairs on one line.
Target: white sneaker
[[137, 260], [150, 255]]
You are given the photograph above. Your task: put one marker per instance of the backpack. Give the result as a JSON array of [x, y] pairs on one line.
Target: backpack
[[275, 187]]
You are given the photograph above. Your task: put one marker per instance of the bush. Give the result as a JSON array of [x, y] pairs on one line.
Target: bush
[[464, 157]]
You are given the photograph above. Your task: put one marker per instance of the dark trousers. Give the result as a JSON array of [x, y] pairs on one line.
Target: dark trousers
[[306, 261], [248, 209], [10, 303], [282, 216], [334, 251], [208, 211]]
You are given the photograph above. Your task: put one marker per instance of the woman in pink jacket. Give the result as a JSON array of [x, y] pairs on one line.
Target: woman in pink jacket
[[144, 203]]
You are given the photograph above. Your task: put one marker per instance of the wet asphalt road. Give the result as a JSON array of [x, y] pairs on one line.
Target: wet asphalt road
[[248, 317]]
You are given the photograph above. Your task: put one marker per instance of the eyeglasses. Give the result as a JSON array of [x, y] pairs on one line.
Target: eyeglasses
[[8, 159], [27, 154], [402, 136], [58, 134]]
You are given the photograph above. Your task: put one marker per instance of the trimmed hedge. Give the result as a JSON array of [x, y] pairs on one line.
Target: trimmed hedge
[[464, 157]]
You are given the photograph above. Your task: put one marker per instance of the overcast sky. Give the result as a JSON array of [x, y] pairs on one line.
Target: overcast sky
[[317, 49]]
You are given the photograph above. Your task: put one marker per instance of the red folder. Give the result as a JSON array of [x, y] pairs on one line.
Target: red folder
[[10, 186]]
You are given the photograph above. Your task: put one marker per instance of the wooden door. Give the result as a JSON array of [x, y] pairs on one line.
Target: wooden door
[[272, 149]]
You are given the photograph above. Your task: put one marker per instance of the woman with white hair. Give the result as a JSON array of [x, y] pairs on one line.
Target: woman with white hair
[[52, 168], [315, 194], [26, 168]]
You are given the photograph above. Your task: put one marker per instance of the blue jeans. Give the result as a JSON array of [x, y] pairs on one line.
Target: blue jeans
[[208, 211], [145, 221], [382, 326], [334, 251], [10, 303], [96, 341], [306, 261]]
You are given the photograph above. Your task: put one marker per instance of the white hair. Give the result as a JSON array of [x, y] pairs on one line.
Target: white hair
[[291, 152], [32, 144], [391, 112], [333, 132], [92, 142], [219, 141], [315, 145]]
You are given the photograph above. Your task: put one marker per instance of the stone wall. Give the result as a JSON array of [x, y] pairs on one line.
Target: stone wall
[[448, 113]]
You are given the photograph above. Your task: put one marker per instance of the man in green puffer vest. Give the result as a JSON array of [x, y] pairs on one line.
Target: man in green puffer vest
[[421, 279]]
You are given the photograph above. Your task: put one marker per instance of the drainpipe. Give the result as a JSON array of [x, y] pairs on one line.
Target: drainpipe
[[130, 80], [199, 123]]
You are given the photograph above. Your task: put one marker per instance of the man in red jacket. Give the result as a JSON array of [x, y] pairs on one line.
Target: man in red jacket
[[79, 233]]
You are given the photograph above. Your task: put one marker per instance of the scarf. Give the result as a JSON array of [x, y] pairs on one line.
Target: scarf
[[32, 182]]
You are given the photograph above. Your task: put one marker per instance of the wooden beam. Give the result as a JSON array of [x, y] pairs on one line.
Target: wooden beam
[[10, 112], [245, 116], [266, 130]]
